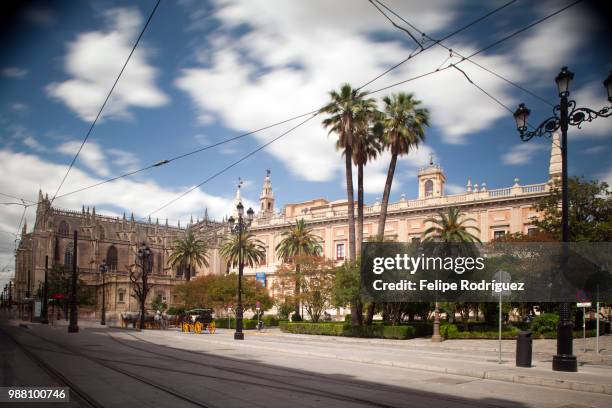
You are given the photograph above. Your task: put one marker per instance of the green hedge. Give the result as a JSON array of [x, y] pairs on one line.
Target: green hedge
[[342, 329], [451, 331]]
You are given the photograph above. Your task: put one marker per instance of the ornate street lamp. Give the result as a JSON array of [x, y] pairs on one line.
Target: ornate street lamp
[[103, 269], [238, 227], [44, 315], [564, 114]]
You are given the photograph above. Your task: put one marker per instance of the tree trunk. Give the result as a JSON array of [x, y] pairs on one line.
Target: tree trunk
[[348, 153], [359, 207], [142, 314], [356, 313], [370, 315], [188, 273], [385, 200], [297, 291]]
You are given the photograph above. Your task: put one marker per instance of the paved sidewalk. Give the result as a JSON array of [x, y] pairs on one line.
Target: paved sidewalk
[[470, 358]]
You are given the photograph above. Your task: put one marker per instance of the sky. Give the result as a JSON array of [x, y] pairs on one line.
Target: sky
[[205, 71]]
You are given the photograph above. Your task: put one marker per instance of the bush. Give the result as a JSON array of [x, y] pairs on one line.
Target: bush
[[270, 320], [399, 332], [543, 323], [296, 317], [175, 310], [325, 329], [451, 331], [284, 310], [343, 329]]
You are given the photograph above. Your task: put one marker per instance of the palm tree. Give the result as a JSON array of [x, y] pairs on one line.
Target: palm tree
[[189, 252], [245, 246], [450, 227], [447, 228], [296, 242], [405, 124], [368, 145], [342, 110]]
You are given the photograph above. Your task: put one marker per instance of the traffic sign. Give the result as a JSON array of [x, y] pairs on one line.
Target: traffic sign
[[583, 304]]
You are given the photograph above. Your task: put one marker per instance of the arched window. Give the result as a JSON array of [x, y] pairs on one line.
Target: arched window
[[101, 233], [68, 258], [428, 188], [159, 264], [111, 258], [64, 228]]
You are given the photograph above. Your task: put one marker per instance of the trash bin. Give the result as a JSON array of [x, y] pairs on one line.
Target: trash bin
[[524, 344]]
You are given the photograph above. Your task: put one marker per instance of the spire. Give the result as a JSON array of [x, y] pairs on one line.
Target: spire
[[483, 186], [206, 214], [237, 199], [132, 217], [88, 210], [554, 170], [40, 196], [166, 222], [149, 219], [468, 187], [266, 198], [124, 216], [24, 230], [83, 210], [191, 220], [93, 211], [156, 221], [179, 223], [431, 159]]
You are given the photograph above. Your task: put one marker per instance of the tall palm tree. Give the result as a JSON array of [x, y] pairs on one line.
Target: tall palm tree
[[253, 250], [448, 228], [342, 110], [405, 124], [368, 134], [188, 253], [296, 242]]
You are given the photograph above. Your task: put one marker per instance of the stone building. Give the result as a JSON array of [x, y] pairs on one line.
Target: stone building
[[496, 211], [113, 239]]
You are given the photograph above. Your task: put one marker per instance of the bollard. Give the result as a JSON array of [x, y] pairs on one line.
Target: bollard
[[524, 343]]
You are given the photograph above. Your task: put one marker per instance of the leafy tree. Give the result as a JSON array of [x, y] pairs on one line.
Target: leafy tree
[[189, 252], [243, 246], [139, 278], [297, 242], [343, 109], [450, 227], [346, 290], [157, 304], [590, 211], [405, 124], [59, 281], [219, 291], [316, 280]]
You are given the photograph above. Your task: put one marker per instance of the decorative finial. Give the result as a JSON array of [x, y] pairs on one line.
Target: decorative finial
[[431, 159], [132, 217], [268, 172]]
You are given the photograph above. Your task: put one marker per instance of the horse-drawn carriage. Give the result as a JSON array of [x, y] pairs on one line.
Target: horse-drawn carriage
[[198, 321]]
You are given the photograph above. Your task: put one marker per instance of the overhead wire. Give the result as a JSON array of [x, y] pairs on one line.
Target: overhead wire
[[441, 44], [93, 124]]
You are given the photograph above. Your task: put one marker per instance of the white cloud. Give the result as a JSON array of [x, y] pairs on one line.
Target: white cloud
[[91, 156], [451, 188], [33, 144], [522, 153], [14, 72], [19, 107], [605, 176], [125, 161], [93, 71], [592, 96], [201, 139]]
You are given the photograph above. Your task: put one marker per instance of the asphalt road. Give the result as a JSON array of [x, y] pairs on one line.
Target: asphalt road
[[117, 368]]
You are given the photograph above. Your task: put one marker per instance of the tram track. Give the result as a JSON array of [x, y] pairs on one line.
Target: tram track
[[279, 378], [85, 396]]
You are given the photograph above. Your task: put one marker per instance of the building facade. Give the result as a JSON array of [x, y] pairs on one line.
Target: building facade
[[496, 212], [113, 239]]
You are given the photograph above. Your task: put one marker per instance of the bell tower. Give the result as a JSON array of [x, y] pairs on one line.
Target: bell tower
[[431, 180], [266, 199]]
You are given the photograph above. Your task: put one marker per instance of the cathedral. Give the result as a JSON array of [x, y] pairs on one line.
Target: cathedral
[[496, 212]]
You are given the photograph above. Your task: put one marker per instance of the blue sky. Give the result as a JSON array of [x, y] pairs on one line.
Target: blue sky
[[205, 71]]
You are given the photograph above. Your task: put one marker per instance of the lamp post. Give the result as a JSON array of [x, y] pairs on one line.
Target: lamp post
[[73, 326], [144, 255], [564, 114], [44, 314], [238, 227], [10, 296], [103, 269]]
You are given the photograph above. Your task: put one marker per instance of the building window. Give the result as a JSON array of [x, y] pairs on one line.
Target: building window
[[340, 252], [64, 228], [68, 256], [159, 264], [121, 295], [428, 188], [101, 233], [111, 259], [532, 231], [499, 234]]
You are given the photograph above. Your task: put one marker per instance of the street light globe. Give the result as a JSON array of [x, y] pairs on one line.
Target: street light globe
[[231, 220], [520, 116], [563, 80], [250, 214], [240, 209], [608, 85]]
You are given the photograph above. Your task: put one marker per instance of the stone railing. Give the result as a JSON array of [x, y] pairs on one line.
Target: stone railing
[[404, 204]]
